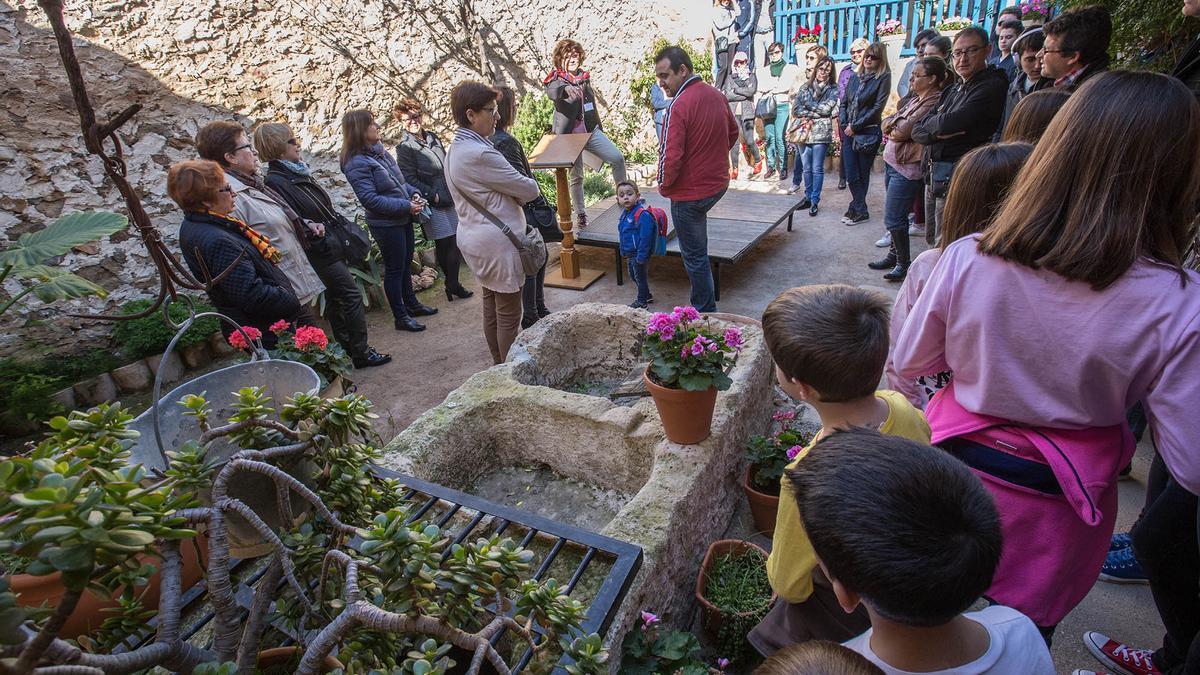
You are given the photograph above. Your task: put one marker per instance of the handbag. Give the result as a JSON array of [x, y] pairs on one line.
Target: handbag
[[543, 218], [765, 109], [356, 243], [529, 245], [867, 142], [799, 130], [940, 174]]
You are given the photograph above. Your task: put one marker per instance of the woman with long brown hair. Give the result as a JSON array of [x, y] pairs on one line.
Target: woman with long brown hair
[[1033, 114], [391, 204], [813, 112], [1072, 306], [977, 191]]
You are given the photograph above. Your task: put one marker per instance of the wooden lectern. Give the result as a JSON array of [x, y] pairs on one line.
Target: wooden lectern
[[560, 152]]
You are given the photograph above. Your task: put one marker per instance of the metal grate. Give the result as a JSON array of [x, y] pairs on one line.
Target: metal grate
[[576, 556]]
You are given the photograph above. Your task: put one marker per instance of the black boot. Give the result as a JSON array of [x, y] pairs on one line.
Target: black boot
[[888, 261], [901, 245]]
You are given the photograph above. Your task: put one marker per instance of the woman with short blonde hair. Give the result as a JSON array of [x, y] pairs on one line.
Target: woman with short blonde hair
[[860, 117], [290, 178]]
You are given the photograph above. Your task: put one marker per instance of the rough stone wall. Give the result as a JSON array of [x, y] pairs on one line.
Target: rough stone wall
[[254, 61]]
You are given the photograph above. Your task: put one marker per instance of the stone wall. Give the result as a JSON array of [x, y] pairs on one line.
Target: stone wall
[[294, 61]]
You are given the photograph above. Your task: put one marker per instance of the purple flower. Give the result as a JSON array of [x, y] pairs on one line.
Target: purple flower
[[722, 664], [663, 325], [648, 619], [733, 338], [784, 415], [793, 451], [686, 314], [712, 346], [666, 333], [683, 353], [697, 349]]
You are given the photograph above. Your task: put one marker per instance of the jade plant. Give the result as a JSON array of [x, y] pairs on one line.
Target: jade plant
[[360, 577]]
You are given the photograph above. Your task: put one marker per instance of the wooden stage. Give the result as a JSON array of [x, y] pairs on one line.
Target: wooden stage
[[735, 226]]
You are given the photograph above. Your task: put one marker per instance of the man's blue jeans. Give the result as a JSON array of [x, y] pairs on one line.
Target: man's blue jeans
[[639, 272], [691, 226], [813, 160]]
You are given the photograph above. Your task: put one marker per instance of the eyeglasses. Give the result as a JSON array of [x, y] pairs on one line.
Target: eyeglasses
[[870, 57], [243, 147], [969, 51], [776, 52], [857, 51], [491, 110], [225, 189], [292, 141]]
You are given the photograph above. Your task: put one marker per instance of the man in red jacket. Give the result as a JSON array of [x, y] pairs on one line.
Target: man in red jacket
[[693, 162]]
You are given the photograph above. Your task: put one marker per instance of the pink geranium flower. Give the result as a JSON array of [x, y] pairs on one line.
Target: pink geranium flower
[[648, 619], [238, 340], [310, 336], [280, 327], [793, 451]]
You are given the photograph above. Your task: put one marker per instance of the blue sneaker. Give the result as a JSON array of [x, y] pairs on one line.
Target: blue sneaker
[[1120, 567], [1119, 541]]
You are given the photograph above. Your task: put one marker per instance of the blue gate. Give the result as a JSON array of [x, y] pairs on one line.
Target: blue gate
[[842, 21]]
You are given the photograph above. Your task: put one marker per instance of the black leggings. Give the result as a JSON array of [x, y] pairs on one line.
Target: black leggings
[[445, 250]]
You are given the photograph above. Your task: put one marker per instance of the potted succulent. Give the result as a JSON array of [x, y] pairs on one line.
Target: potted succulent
[[401, 598], [950, 25], [690, 361], [768, 456], [734, 593]]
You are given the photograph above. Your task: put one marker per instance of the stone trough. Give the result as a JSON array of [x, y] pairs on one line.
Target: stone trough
[[541, 433]]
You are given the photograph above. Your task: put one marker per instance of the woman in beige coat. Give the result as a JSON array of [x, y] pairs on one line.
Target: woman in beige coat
[[479, 176], [226, 144]]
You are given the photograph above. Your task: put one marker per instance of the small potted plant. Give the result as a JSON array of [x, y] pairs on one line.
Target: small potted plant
[[889, 28], [768, 455], [734, 593], [690, 360], [1033, 13], [805, 38], [950, 25], [304, 344]]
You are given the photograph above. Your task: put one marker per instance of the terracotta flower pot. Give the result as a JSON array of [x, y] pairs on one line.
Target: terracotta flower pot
[[34, 591], [686, 415], [711, 617], [281, 657], [763, 507]]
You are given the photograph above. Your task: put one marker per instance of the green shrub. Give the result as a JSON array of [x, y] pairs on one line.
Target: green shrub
[[150, 335], [596, 186], [643, 78], [535, 113], [1147, 34], [27, 387]]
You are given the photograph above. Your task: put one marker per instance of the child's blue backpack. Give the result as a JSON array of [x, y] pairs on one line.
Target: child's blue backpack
[[660, 219]]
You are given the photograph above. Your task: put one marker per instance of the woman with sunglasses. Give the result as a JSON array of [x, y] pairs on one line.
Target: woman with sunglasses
[[422, 160], [861, 114], [226, 144], [844, 76], [290, 178], [739, 85]]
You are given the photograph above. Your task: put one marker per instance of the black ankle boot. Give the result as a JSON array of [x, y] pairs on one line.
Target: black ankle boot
[[888, 262], [901, 245], [897, 274]]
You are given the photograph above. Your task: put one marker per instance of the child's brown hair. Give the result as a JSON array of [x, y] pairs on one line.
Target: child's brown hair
[[817, 657], [833, 338], [630, 183]]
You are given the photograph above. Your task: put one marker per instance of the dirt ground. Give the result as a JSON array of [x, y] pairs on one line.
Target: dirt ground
[[429, 365]]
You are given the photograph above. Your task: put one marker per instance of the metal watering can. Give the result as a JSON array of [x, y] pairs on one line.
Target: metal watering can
[[164, 426]]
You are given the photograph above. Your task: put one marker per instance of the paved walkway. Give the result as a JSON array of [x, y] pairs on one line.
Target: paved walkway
[[429, 365]]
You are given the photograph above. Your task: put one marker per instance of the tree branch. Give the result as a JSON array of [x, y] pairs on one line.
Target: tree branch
[[41, 642], [247, 657]]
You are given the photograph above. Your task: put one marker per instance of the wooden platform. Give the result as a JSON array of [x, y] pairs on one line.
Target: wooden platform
[[735, 226]]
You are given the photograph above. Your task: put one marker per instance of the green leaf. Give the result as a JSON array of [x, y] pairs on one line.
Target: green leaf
[[675, 645], [131, 537], [421, 667], [695, 382], [59, 284], [74, 559], [75, 229]]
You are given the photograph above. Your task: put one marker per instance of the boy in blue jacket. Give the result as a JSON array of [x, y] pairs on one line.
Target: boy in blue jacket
[[637, 239]]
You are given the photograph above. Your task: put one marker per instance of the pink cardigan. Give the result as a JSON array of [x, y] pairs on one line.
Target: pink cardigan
[[1029, 346]]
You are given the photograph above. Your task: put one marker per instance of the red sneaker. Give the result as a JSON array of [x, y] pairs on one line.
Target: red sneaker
[[733, 174], [1120, 657], [757, 169]]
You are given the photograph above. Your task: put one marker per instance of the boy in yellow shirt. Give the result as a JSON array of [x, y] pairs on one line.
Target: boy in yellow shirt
[[830, 345]]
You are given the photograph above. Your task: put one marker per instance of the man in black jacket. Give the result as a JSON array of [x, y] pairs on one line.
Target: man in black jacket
[[966, 117]]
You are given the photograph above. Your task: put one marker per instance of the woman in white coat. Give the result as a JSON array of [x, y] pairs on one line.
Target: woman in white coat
[[479, 177]]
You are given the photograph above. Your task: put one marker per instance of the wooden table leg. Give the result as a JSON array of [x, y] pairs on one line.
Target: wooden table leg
[[568, 275]]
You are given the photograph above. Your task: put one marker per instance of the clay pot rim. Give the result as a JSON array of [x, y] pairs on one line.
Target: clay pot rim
[[652, 383], [709, 561], [749, 487]]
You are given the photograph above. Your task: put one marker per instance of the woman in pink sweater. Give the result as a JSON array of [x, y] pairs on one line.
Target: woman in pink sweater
[[1073, 306]]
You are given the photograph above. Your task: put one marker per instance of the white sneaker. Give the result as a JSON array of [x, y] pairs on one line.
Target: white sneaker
[[917, 229], [884, 241], [1081, 671]]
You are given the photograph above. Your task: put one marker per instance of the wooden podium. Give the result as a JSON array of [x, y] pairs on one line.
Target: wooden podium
[[560, 152]]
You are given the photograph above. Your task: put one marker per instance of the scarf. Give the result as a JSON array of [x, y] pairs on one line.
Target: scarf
[[580, 78], [261, 242], [777, 67], [296, 167], [256, 182]]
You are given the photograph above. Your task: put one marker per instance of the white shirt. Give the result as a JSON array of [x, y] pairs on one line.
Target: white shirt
[[1015, 646]]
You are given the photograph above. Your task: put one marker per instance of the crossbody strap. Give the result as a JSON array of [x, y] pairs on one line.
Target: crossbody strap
[[486, 214]]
